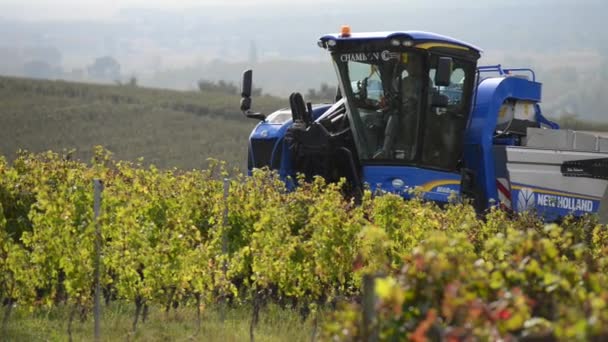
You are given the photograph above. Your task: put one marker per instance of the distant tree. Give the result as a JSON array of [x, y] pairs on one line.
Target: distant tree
[[38, 69], [104, 68], [133, 81], [324, 93], [224, 87], [227, 87], [204, 85]]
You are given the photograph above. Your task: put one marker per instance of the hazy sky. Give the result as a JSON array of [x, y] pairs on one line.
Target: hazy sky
[[80, 9], [100, 9], [104, 9]]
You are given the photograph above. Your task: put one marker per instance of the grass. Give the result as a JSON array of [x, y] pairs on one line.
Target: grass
[[167, 128], [275, 324]]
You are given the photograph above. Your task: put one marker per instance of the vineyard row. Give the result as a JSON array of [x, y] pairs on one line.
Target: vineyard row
[[180, 237]]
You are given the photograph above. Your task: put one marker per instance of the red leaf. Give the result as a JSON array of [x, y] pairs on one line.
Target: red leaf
[[358, 263], [504, 314]]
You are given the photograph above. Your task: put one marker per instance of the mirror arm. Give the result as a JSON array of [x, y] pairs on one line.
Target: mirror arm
[[253, 115], [257, 116]]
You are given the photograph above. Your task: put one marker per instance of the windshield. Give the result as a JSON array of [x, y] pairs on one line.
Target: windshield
[[383, 90], [397, 113]]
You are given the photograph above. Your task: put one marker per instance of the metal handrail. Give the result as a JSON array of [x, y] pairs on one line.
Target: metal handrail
[[499, 69]]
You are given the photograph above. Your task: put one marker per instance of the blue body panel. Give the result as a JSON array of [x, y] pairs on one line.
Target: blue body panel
[[270, 132], [434, 185], [478, 142]]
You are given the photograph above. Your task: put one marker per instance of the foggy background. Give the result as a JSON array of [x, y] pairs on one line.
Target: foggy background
[[175, 44]]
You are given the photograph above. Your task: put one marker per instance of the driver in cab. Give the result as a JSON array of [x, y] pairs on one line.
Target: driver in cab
[[412, 83]]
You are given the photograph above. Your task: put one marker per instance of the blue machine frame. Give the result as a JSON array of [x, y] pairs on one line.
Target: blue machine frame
[[479, 136], [479, 142]]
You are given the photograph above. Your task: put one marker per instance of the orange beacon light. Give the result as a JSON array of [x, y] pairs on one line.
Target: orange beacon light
[[345, 31]]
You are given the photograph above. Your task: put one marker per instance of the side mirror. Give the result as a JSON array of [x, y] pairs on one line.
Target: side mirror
[[246, 86], [247, 82], [444, 71]]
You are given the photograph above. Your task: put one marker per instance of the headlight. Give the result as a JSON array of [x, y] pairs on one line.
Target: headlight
[[398, 183]]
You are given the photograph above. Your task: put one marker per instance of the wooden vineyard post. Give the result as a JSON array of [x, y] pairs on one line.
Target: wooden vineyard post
[[98, 189], [225, 239], [369, 328]]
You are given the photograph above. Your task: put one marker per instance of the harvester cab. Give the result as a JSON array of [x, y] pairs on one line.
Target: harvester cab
[[416, 116]]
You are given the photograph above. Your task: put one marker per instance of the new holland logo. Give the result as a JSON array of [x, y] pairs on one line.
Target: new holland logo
[[525, 200]]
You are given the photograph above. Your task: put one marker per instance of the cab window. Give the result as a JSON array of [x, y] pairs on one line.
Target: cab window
[[444, 127]]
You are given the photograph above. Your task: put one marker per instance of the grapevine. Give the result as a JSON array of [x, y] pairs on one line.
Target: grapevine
[[176, 238]]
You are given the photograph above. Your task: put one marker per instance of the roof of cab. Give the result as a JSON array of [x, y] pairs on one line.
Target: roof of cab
[[417, 36]]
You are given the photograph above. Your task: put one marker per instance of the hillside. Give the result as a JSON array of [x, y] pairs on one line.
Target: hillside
[[167, 128]]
